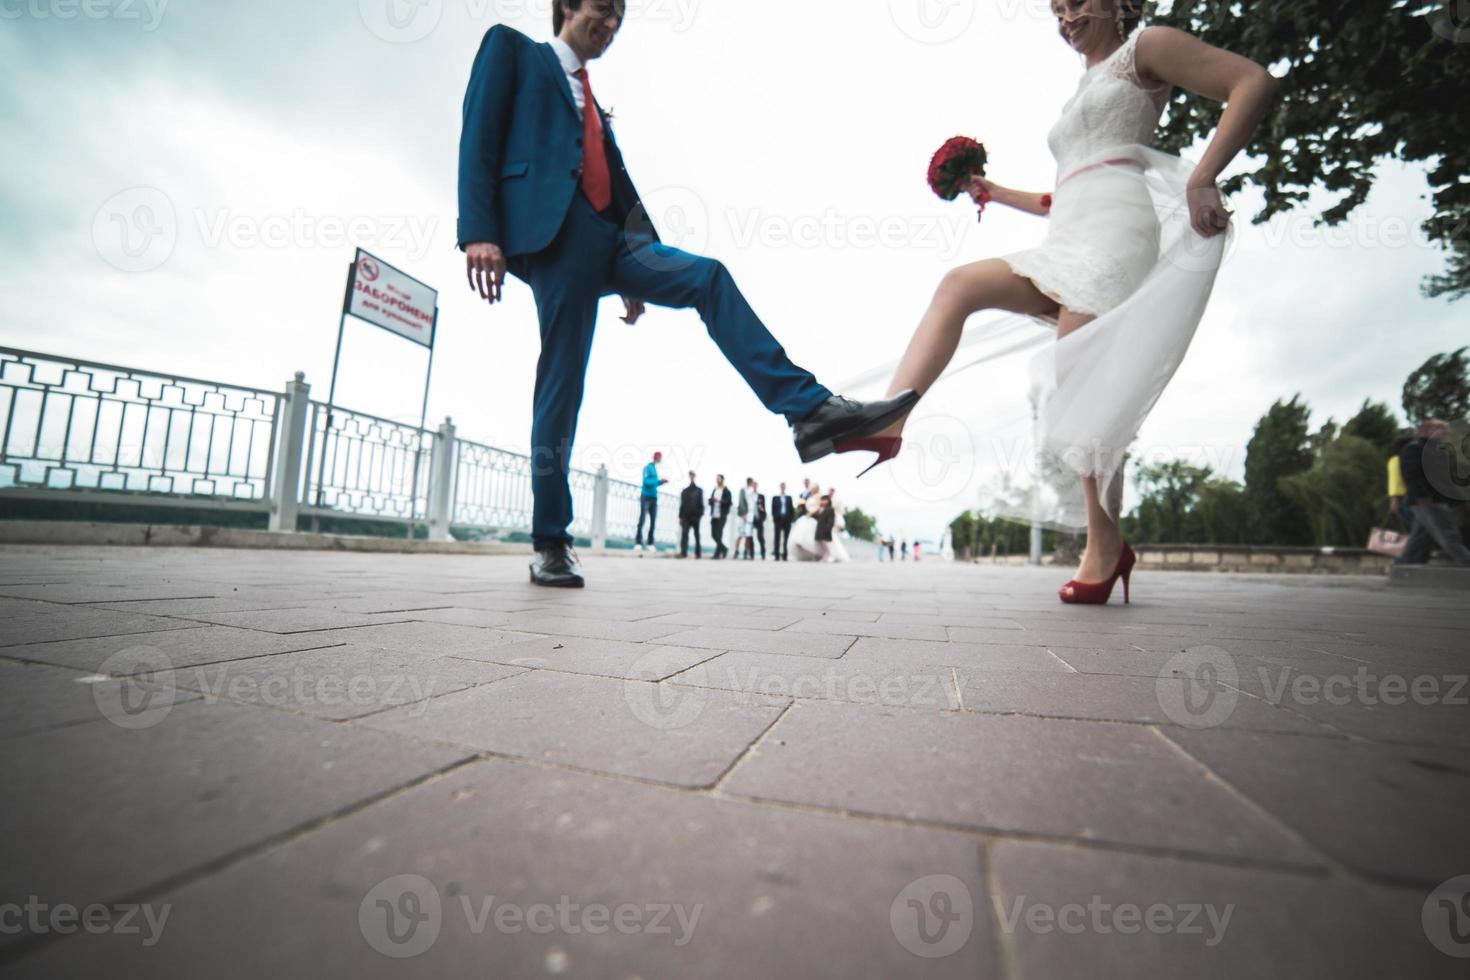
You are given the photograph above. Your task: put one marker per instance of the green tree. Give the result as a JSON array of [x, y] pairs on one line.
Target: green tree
[[1223, 513], [1440, 389], [1342, 493], [859, 525], [962, 534], [1376, 424], [1361, 82], [1280, 447], [1167, 496]]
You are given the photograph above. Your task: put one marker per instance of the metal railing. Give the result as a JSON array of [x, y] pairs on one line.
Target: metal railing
[[81, 429], [84, 427]]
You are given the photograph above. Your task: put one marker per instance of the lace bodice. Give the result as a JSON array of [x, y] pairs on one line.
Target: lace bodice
[[1112, 107]]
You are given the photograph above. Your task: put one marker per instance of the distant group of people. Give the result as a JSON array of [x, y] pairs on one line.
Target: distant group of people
[[1421, 505], [896, 552], [805, 523]]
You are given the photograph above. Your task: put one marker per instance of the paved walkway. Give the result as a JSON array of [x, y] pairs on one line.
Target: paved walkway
[[246, 764]]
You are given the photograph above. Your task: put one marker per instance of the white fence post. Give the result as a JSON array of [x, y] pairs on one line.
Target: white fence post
[[599, 509], [290, 449], [441, 483]]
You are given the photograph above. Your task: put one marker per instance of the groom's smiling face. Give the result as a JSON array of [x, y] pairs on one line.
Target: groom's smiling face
[[590, 29]]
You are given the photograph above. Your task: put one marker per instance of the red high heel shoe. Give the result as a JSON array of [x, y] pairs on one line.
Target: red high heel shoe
[[1098, 593], [886, 447]]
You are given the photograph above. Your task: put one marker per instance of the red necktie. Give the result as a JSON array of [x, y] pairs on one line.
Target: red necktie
[[596, 180]]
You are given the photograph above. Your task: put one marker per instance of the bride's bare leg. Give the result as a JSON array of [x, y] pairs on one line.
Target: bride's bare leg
[[1104, 539], [987, 285]]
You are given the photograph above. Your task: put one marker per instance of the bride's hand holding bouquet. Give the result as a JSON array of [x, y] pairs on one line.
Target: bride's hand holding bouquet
[[959, 167]]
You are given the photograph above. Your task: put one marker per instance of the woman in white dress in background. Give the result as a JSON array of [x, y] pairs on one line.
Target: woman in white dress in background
[[1134, 240], [804, 531]]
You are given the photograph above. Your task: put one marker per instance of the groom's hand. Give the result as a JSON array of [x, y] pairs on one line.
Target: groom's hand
[[633, 310], [485, 266]]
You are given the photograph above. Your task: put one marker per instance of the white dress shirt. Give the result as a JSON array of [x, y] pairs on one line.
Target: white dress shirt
[[571, 64]]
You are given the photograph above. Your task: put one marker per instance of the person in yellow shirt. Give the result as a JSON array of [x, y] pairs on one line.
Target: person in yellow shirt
[[1397, 489]]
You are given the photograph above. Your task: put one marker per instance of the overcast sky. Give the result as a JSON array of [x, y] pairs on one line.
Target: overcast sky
[[264, 140]]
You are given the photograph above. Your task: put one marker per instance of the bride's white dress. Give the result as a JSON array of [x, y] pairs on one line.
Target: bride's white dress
[[803, 541], [1119, 245]]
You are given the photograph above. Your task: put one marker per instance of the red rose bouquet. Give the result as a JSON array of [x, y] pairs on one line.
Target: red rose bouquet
[[952, 166]]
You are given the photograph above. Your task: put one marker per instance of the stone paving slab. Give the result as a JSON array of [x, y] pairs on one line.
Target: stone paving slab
[[1087, 780], [686, 737], [708, 888], [34, 697], [763, 641], [182, 648], [785, 769], [338, 683], [976, 655], [1388, 811], [119, 809], [1075, 914], [606, 658], [47, 627], [1139, 700], [813, 678]]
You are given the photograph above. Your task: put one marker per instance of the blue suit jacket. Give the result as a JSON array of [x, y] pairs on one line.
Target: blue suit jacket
[[520, 153]]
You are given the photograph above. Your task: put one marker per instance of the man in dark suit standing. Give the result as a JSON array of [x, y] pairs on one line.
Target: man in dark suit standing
[[544, 193], [719, 512], [691, 511], [783, 512], [758, 524]]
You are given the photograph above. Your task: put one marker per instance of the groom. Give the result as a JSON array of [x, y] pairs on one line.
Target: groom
[[543, 193]]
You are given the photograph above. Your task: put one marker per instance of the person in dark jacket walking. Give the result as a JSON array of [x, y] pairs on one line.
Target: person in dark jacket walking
[[1433, 521], [691, 512]]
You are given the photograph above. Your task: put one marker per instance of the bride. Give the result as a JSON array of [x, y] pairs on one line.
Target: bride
[[804, 531], [1120, 283]]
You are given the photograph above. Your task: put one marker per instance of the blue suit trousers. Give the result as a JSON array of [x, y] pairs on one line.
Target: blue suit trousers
[[590, 258]]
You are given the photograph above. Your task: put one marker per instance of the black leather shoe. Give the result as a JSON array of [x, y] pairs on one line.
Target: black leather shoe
[[841, 418], [557, 567]]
